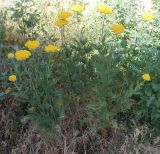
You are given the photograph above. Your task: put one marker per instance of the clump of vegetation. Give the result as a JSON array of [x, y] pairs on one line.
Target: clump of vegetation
[[105, 74]]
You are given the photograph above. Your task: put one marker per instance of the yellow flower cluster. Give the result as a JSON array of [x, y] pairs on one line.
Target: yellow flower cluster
[[22, 55], [64, 15], [12, 78], [77, 8], [148, 16], [61, 22], [51, 48], [10, 55], [104, 8], [146, 77], [62, 18], [117, 28], [32, 45]]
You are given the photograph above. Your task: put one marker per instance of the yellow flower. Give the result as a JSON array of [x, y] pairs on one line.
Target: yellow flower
[[32, 45], [51, 48], [61, 22], [22, 55], [77, 8], [148, 16], [10, 55], [146, 77], [64, 15], [117, 28], [104, 8], [12, 78]]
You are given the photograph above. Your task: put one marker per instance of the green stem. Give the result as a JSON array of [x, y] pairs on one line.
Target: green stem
[[15, 84], [102, 29], [62, 36]]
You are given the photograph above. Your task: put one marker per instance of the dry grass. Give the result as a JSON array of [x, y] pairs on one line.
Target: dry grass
[[135, 143], [74, 138], [17, 137]]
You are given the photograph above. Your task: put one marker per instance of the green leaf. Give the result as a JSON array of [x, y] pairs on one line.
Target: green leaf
[[156, 87]]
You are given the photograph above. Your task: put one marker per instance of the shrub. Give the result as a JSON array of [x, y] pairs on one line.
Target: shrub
[[103, 66]]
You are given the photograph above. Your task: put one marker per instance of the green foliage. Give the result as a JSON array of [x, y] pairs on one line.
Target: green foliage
[[40, 89], [26, 16], [2, 26], [46, 90], [113, 91], [98, 69], [149, 107]]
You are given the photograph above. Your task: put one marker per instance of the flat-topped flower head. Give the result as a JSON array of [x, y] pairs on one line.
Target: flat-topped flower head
[[32, 45], [51, 48], [104, 8], [12, 78], [10, 55], [22, 55], [117, 28], [146, 77], [77, 8], [61, 22], [148, 16], [64, 15]]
